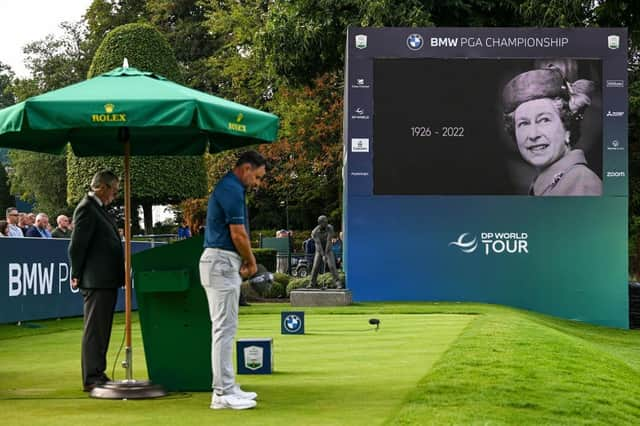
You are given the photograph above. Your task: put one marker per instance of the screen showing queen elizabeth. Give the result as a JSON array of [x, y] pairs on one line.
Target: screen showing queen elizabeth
[[530, 127]]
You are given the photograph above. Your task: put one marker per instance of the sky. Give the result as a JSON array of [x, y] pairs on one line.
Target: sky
[[24, 21]]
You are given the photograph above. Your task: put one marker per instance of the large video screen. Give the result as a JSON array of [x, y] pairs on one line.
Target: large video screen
[[487, 127]]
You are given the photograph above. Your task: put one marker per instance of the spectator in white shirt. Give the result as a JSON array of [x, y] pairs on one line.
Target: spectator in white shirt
[[12, 220]]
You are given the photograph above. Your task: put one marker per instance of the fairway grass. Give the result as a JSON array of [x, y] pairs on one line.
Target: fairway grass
[[340, 372], [430, 363]]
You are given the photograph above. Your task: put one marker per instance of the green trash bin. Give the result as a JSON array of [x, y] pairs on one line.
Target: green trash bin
[[174, 315]]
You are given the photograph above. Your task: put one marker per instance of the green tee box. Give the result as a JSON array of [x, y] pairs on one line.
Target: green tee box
[[174, 316]]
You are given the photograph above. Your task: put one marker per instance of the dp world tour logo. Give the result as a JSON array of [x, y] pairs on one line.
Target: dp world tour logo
[[465, 243], [494, 243]]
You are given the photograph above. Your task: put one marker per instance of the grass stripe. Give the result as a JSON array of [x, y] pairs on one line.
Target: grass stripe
[[341, 372], [510, 367]]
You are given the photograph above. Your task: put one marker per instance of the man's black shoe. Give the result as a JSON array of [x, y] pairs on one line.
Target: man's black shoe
[[101, 381], [90, 386]]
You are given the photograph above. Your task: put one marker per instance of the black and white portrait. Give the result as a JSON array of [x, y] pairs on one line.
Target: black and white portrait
[[488, 127]]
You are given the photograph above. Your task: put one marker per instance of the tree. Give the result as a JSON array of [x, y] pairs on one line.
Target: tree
[[307, 160], [154, 180], [6, 199], [627, 13], [6, 94], [54, 62], [143, 46], [237, 69], [287, 57], [40, 177], [6, 98], [102, 16], [182, 23], [305, 39]]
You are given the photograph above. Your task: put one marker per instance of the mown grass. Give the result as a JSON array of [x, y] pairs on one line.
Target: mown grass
[[430, 363], [340, 372], [514, 367]]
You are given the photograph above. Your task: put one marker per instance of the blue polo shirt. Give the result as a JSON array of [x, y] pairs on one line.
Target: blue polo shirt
[[226, 207]]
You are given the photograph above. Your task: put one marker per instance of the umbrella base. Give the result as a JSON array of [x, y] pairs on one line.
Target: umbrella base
[[128, 389]]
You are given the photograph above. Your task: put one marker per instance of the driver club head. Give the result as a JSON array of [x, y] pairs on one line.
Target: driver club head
[[376, 322]]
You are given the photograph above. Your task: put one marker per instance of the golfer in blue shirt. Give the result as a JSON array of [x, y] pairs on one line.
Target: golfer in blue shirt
[[227, 258]]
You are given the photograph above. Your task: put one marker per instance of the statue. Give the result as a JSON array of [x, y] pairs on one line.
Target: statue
[[322, 236]]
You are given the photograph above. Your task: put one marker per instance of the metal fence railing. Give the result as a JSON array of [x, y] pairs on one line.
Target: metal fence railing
[[156, 239]]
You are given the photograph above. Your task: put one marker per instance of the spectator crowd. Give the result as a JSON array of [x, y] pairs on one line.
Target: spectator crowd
[[20, 225]]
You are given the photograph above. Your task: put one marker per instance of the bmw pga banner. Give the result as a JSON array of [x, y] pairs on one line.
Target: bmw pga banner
[[35, 276], [490, 165]]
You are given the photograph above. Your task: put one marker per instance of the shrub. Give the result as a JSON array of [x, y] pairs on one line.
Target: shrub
[[266, 257], [297, 283], [278, 290], [282, 278], [274, 290], [248, 291], [324, 280]]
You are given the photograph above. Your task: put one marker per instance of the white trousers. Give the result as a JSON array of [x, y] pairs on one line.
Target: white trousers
[[220, 278]]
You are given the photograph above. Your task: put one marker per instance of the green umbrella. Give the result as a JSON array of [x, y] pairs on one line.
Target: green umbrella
[[163, 118], [130, 112]]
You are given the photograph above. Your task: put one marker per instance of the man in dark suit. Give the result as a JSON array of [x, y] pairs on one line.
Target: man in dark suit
[[40, 229], [97, 269]]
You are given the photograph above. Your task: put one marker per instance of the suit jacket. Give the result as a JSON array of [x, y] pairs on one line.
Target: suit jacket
[[33, 232], [95, 250]]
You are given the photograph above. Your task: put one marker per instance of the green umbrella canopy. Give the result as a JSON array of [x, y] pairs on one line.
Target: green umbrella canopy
[[163, 118]]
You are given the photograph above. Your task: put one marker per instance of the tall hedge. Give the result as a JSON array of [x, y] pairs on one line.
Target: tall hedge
[[143, 46], [154, 180]]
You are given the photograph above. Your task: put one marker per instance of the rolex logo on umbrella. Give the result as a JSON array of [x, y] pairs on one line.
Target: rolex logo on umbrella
[[109, 116], [237, 126]]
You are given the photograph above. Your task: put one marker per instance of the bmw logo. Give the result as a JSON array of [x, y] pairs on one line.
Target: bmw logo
[[292, 323], [415, 42]]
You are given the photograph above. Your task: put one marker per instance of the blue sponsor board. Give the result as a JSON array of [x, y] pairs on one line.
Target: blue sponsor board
[[439, 178], [36, 280], [292, 322], [255, 356]]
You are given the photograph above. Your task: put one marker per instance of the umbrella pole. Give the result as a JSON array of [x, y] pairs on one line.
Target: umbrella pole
[[127, 258], [128, 388]]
